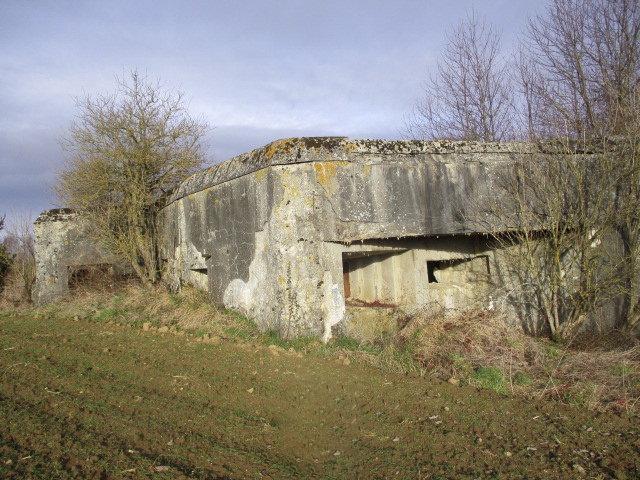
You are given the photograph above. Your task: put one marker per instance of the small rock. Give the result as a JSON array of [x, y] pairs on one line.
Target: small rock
[[75, 319], [346, 361], [396, 439], [508, 454], [579, 468], [164, 329], [446, 409], [337, 453], [161, 468], [106, 350], [251, 390], [146, 326], [454, 381]]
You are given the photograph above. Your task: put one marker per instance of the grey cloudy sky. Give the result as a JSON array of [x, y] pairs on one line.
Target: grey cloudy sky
[[256, 70]]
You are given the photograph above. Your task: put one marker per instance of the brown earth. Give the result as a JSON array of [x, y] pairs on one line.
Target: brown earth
[[96, 400]]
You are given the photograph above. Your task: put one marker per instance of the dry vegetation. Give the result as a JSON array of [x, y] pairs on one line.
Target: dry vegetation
[[481, 348], [465, 347]]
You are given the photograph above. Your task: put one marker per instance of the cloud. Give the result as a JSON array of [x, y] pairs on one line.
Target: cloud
[[255, 70]]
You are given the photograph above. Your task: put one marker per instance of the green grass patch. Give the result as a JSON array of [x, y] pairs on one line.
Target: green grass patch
[[347, 343], [522, 379], [460, 366], [271, 337], [238, 333], [489, 377], [622, 370]]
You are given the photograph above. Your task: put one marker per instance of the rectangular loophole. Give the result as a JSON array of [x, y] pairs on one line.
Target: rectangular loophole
[[458, 270]]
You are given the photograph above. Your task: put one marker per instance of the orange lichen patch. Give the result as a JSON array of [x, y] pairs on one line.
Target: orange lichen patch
[[326, 171], [280, 146]]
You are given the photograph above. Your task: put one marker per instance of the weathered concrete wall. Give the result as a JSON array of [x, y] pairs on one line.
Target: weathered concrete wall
[[275, 229], [62, 245], [309, 236]]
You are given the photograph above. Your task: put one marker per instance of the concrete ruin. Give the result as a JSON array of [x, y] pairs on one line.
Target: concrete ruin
[[67, 255], [294, 233], [307, 236]]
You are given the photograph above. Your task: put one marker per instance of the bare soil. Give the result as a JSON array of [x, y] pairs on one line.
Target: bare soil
[[96, 400]]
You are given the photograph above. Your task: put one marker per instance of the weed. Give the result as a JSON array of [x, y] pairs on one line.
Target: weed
[[522, 379], [271, 337], [553, 353], [622, 370], [238, 333], [489, 377], [459, 366], [345, 342]]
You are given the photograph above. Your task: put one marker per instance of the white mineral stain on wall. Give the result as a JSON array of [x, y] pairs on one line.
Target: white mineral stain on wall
[[333, 308], [246, 297]]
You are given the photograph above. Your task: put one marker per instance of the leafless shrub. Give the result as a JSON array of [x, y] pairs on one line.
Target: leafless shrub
[[18, 246]]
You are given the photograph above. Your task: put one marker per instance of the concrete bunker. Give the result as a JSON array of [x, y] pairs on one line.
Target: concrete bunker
[[306, 235]]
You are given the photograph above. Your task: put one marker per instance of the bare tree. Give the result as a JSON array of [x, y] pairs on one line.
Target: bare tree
[[469, 98], [5, 257], [583, 57], [581, 79], [558, 233], [19, 247], [127, 151], [573, 234]]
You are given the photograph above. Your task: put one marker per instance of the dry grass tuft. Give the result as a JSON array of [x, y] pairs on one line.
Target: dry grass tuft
[[464, 343], [130, 302], [602, 379], [453, 343]]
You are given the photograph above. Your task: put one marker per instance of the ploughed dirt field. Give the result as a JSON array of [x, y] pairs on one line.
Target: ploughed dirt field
[[96, 400]]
